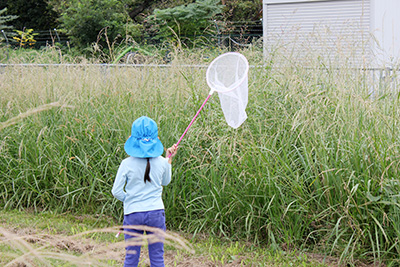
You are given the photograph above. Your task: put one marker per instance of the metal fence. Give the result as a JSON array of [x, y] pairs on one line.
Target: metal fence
[[384, 81], [238, 33], [41, 39], [379, 82]]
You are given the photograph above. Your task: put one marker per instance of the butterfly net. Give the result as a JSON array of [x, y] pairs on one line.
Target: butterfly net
[[227, 75]]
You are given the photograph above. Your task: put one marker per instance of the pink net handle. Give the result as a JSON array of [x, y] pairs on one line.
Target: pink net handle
[[194, 118]]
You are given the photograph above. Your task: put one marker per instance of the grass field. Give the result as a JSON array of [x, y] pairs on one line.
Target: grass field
[[314, 168]]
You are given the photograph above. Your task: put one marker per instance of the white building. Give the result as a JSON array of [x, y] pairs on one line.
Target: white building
[[362, 32]]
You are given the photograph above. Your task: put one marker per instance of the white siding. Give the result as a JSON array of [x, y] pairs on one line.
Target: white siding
[[385, 26], [326, 29]]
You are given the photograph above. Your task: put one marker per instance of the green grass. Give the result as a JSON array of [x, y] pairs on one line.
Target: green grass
[[314, 168]]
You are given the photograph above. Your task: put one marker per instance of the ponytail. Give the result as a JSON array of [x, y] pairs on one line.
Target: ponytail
[[147, 172]]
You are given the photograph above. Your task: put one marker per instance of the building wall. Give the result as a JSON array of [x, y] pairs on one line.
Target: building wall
[[364, 33], [385, 27], [334, 31]]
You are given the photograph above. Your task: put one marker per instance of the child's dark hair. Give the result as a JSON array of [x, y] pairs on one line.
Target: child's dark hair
[[147, 172]]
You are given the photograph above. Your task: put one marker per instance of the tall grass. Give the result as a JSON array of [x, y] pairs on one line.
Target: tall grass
[[315, 166]]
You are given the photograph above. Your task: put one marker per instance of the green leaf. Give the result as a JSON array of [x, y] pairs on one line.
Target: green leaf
[[372, 198]]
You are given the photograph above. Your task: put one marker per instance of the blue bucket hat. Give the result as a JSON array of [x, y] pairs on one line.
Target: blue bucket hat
[[144, 142]]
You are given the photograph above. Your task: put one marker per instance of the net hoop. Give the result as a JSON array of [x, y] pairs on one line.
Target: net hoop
[[212, 72]]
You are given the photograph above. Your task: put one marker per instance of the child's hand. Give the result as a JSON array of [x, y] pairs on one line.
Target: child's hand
[[171, 152]]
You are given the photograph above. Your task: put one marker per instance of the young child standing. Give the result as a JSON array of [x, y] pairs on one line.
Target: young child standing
[[139, 183]]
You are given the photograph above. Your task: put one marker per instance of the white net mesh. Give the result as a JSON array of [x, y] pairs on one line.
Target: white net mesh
[[227, 75]]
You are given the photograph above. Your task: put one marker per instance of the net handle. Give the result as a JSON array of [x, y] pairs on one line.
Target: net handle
[[194, 118]]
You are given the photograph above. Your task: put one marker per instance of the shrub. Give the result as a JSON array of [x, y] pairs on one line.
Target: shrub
[[187, 20], [84, 20]]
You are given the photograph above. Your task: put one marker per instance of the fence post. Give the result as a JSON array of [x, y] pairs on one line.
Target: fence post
[[218, 34], [58, 37], [5, 37]]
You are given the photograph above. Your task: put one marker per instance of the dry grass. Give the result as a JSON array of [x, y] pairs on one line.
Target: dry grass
[[30, 112], [42, 249]]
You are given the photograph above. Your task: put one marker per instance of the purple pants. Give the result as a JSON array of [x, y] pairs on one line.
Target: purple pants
[[154, 218]]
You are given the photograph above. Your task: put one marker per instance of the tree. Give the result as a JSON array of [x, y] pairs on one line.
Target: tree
[[187, 20], [139, 10], [4, 19], [137, 7], [84, 20], [35, 14], [239, 10], [25, 38]]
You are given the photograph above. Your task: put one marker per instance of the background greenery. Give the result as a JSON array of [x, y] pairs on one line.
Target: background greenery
[[313, 168], [95, 25]]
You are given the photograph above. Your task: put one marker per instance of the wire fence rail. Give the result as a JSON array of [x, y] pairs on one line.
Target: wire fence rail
[[103, 65], [378, 81]]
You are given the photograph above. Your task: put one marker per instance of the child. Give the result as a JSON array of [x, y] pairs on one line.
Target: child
[[139, 183]]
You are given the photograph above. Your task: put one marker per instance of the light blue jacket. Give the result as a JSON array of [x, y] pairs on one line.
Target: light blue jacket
[[130, 188]]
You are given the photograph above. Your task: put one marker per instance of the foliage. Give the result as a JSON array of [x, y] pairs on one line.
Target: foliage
[[88, 22], [187, 20], [139, 10], [36, 14], [25, 37], [135, 8], [239, 10], [96, 25], [4, 19]]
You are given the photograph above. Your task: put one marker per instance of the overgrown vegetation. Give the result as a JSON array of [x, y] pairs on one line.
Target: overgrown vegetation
[[100, 21], [314, 167], [190, 21], [36, 14], [100, 25]]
